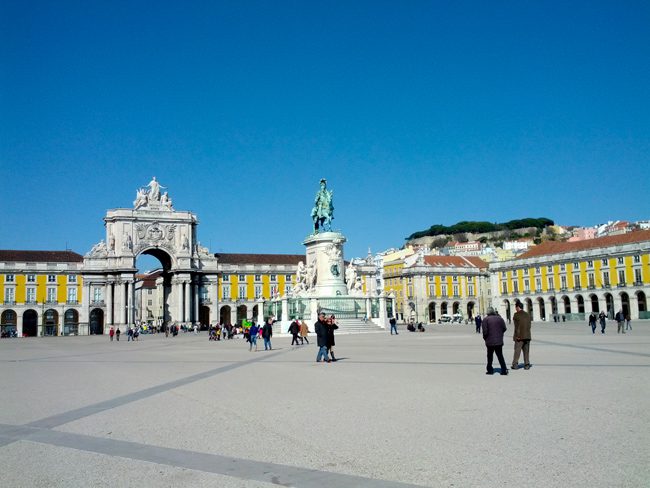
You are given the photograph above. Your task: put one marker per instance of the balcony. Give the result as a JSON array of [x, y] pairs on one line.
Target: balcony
[[638, 283], [550, 289], [10, 302], [621, 285], [205, 301], [30, 302], [564, 288], [607, 286], [97, 303], [72, 302], [577, 288], [51, 301], [591, 287]]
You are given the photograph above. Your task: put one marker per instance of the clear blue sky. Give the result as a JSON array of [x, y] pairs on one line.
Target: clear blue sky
[[416, 112]]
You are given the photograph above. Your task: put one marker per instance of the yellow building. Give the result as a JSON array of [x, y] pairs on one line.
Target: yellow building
[[569, 280], [41, 293], [437, 286]]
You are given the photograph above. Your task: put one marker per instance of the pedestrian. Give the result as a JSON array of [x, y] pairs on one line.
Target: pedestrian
[[129, 334], [493, 329], [521, 336], [393, 325], [294, 330], [304, 330], [117, 333], [331, 327], [620, 321], [267, 333], [603, 321], [252, 332], [321, 338], [592, 322], [111, 332], [478, 320], [628, 323]]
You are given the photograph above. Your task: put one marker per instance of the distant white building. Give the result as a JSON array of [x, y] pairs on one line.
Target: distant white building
[[517, 245]]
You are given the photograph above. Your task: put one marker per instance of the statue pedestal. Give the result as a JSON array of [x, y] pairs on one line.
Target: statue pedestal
[[325, 249]]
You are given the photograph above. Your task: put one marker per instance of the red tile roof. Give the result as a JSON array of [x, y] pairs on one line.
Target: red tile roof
[[272, 259], [40, 256], [455, 261], [555, 247]]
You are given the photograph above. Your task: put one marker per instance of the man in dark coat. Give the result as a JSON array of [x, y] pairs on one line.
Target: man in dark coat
[[294, 330], [267, 333], [321, 337], [331, 327], [478, 321], [493, 329], [521, 336]]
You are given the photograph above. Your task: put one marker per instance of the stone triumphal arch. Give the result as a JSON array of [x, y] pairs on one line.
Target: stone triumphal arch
[[152, 227]]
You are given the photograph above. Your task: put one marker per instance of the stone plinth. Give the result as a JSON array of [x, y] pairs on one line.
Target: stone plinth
[[325, 250]]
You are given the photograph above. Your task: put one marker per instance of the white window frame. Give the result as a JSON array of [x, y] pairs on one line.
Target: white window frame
[[242, 292], [225, 278], [72, 294], [30, 294], [51, 278], [10, 294], [31, 278], [10, 278], [72, 278], [51, 294], [225, 292]]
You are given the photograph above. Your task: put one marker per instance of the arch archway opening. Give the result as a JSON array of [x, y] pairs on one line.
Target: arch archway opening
[[8, 323], [432, 312], [625, 304], [470, 310], [595, 307], [50, 322], [642, 305], [30, 323], [581, 304], [224, 315], [96, 324], [542, 308], [153, 288], [71, 322]]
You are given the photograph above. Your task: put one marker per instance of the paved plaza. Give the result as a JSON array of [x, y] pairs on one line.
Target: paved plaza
[[409, 410]]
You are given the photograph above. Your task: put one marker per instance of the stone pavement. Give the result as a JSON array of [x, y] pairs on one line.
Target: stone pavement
[[408, 410]]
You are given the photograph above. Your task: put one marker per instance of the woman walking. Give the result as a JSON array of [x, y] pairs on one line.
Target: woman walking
[[331, 327]]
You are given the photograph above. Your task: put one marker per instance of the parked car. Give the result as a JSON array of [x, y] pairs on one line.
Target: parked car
[[458, 319], [444, 319]]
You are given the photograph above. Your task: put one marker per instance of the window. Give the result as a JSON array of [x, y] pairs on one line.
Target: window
[[470, 279], [432, 291], [563, 282], [410, 292], [576, 281], [515, 286], [504, 288], [537, 270], [410, 280], [72, 278], [621, 276], [637, 259], [603, 262], [563, 267], [274, 277], [225, 291], [456, 290], [551, 283], [470, 290], [97, 294], [72, 295], [576, 265], [606, 278], [590, 264], [287, 288], [51, 294], [444, 290], [150, 291], [258, 291], [288, 277], [620, 260], [203, 293], [637, 276], [592, 280], [274, 290], [258, 277], [226, 277], [538, 284], [150, 302], [527, 286], [51, 278], [242, 291], [549, 269], [31, 278], [10, 278], [242, 278], [455, 279], [9, 295], [31, 295]]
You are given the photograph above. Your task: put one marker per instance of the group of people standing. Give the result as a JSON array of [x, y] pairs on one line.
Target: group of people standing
[[266, 331], [324, 328], [494, 328], [132, 333], [623, 321]]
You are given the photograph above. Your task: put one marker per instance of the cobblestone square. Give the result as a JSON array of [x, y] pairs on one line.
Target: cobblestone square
[[409, 410]]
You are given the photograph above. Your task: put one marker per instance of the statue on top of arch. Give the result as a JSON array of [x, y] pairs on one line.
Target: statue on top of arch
[[152, 198]]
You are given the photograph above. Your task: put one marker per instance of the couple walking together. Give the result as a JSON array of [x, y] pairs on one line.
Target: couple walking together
[[324, 329], [493, 330]]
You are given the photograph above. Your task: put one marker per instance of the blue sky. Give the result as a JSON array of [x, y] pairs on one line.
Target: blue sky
[[416, 112]]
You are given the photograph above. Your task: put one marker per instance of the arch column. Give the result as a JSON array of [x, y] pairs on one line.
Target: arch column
[[19, 324], [618, 303], [124, 305], [634, 306], [233, 315], [197, 287], [186, 308], [129, 307], [602, 303], [109, 306], [178, 295], [573, 300]]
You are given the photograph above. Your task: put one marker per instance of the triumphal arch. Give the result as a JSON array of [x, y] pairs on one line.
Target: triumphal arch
[[155, 228]]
